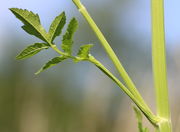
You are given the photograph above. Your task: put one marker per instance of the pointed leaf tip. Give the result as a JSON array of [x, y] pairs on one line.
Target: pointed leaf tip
[[57, 26], [32, 50], [31, 22]]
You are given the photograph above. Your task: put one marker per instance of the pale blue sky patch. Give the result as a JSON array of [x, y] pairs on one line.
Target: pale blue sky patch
[[136, 20]]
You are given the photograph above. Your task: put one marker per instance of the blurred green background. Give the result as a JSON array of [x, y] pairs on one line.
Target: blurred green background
[[78, 97]]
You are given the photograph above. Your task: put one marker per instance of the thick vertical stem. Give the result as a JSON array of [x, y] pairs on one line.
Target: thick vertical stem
[[159, 65]]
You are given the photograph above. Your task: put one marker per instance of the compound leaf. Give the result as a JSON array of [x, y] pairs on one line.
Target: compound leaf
[[32, 50], [32, 24], [68, 36], [51, 63], [57, 26]]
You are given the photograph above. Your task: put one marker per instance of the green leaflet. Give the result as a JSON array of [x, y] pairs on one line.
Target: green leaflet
[[32, 50], [139, 118], [31, 22], [51, 63], [56, 26], [84, 51], [68, 36]]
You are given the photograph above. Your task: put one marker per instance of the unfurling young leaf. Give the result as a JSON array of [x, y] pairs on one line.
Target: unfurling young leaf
[[51, 63], [146, 130], [32, 24], [138, 114], [84, 51], [57, 26], [68, 36], [32, 50], [139, 118]]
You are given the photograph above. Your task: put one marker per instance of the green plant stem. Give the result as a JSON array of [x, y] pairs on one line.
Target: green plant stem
[[54, 47], [111, 53], [151, 117], [159, 65]]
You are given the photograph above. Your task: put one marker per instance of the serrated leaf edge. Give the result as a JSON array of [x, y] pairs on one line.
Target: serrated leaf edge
[[52, 37], [40, 26]]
